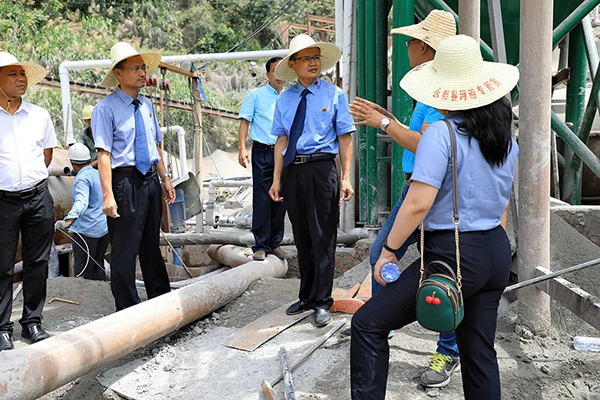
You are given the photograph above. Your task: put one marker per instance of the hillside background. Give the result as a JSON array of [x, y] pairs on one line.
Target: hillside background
[[50, 32]]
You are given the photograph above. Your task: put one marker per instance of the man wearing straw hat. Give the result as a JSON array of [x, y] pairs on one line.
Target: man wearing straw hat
[[313, 125], [85, 136], [424, 39], [27, 140], [127, 137]]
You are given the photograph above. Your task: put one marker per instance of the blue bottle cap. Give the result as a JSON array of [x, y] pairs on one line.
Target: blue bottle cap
[[390, 272]]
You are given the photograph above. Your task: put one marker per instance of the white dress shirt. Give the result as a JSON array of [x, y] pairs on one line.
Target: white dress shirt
[[23, 138]]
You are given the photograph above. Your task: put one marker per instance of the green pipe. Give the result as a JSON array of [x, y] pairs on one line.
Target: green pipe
[[402, 104], [362, 130], [590, 45], [486, 50], [571, 139], [572, 20], [571, 181], [371, 81], [381, 68]]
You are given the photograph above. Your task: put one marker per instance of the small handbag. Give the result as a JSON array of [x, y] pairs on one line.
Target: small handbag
[[439, 297]]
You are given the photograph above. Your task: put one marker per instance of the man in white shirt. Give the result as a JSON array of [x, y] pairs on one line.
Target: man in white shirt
[[27, 140]]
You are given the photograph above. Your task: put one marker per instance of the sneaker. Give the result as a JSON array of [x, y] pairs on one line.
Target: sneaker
[[440, 370]]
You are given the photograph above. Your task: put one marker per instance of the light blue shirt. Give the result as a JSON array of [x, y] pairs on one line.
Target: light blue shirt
[[422, 114], [87, 204], [113, 124], [483, 190], [258, 109], [327, 117]]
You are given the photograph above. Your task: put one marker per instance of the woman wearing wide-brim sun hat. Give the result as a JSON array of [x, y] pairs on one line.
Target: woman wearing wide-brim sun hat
[[471, 94], [330, 55], [122, 51]]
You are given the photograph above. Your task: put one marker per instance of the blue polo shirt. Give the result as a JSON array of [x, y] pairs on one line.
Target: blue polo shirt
[[113, 124], [87, 204], [422, 114], [483, 190], [258, 109], [327, 117]]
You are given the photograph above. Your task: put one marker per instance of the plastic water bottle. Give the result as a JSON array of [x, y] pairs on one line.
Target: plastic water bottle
[[586, 343], [390, 272]]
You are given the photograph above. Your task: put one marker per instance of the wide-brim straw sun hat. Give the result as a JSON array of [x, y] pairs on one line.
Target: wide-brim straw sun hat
[[458, 78], [330, 52], [122, 51], [436, 27], [35, 73]]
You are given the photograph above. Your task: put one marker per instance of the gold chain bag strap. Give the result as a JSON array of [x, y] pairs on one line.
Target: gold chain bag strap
[[439, 297]]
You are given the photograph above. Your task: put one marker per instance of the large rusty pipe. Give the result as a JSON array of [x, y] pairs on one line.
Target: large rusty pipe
[[228, 254], [42, 367]]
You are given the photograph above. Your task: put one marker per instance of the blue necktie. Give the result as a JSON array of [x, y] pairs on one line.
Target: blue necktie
[[296, 130], [142, 154]]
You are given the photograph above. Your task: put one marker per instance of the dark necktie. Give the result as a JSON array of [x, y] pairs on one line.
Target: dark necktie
[[296, 130], [142, 154]]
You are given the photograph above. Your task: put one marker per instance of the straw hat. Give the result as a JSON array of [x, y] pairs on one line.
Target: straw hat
[[330, 52], [35, 73], [86, 113], [122, 51], [458, 78], [438, 26]]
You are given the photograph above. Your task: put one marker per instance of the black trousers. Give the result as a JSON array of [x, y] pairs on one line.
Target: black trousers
[[34, 218], [485, 265], [267, 216], [136, 233], [96, 247], [312, 195]]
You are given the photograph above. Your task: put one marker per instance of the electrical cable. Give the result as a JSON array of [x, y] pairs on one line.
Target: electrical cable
[[86, 250]]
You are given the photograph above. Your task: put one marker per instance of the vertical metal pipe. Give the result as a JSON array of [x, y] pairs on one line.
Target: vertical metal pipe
[[371, 81], [534, 159], [381, 82], [590, 45], [403, 14], [497, 30], [362, 131], [470, 21], [571, 182]]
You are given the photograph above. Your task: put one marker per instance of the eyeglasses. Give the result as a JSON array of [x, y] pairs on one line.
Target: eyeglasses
[[308, 58], [137, 69], [408, 41]]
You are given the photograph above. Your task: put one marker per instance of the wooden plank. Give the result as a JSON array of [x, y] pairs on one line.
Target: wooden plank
[[340, 293], [268, 390], [251, 336], [366, 288], [572, 297], [177, 70]]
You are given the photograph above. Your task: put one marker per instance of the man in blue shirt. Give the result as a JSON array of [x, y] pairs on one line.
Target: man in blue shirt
[[312, 124], [127, 137], [86, 221], [257, 113], [425, 37]]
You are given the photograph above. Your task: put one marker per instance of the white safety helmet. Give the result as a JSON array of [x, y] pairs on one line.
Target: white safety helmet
[[79, 154]]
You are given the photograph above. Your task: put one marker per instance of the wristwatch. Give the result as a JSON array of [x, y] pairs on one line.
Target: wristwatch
[[165, 176], [388, 248], [384, 123]]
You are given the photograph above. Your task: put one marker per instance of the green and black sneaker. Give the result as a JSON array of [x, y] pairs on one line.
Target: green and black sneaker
[[440, 370]]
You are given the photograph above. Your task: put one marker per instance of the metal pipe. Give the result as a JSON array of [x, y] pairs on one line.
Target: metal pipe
[[470, 21], [381, 83], [362, 91], [572, 20], [571, 179], [497, 30], [339, 25], [228, 254], [571, 139], [590, 45], [402, 104], [371, 135], [37, 369], [534, 159], [183, 170]]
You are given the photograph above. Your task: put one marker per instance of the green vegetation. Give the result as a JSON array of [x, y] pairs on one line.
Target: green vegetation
[[52, 31]]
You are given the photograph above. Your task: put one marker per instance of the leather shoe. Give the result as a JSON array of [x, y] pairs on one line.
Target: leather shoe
[[6, 341], [279, 253], [259, 255], [34, 332], [297, 308], [322, 317]]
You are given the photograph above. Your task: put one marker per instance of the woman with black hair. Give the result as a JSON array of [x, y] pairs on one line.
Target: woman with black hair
[[470, 93]]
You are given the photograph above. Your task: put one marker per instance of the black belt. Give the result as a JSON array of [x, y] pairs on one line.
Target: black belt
[[26, 193], [306, 158], [150, 172], [407, 176], [270, 147]]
